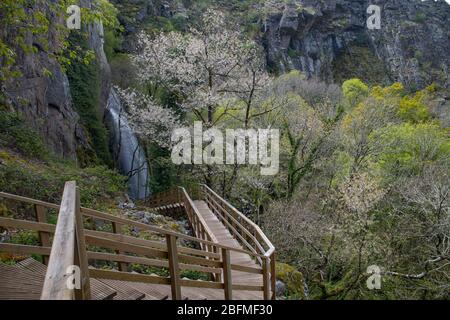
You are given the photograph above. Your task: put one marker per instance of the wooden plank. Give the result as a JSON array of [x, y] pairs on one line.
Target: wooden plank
[[199, 261], [201, 284], [124, 290], [62, 254], [148, 243], [227, 280], [148, 262], [125, 276], [26, 225], [236, 267], [173, 267], [44, 237], [24, 249], [247, 287], [29, 201], [125, 247]]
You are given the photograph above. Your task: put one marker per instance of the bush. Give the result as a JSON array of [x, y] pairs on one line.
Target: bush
[[16, 134], [98, 185]]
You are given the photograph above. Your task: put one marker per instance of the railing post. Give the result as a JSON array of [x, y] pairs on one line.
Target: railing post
[[173, 267], [273, 276], [217, 276], [80, 252], [44, 237], [117, 228], [266, 279], [227, 281]]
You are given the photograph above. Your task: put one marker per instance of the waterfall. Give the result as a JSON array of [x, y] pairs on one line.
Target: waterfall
[[129, 156]]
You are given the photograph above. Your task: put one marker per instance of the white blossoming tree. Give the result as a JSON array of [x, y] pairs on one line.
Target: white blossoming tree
[[207, 68], [149, 120]]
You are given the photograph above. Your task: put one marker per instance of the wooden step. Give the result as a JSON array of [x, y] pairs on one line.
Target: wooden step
[[152, 292], [30, 274], [124, 291]]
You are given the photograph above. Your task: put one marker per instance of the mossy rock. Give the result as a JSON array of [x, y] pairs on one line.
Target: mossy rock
[[292, 278]]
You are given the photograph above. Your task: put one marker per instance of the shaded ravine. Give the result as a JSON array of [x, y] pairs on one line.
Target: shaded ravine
[[128, 155]]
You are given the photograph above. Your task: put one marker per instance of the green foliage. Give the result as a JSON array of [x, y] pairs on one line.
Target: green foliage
[[113, 43], [85, 87], [195, 275], [22, 17], [413, 108], [45, 180], [354, 91], [407, 147], [16, 133], [29, 238]]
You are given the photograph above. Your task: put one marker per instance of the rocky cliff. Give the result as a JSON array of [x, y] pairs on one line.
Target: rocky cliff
[[42, 91], [330, 39]]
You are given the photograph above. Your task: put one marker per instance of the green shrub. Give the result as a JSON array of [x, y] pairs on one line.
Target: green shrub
[[16, 134], [98, 185]]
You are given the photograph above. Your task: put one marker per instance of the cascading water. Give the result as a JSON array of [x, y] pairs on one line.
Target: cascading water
[[128, 154]]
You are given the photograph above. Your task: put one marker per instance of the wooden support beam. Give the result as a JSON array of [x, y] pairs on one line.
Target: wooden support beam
[[117, 229], [266, 280], [174, 268], [44, 237], [273, 277], [227, 281]]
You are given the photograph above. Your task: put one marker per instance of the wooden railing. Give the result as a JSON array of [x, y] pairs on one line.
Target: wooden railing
[[164, 198], [247, 233], [70, 240]]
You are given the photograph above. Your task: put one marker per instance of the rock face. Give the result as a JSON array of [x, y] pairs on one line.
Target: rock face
[[136, 14], [42, 93], [320, 37]]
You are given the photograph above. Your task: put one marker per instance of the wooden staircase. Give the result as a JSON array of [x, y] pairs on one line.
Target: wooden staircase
[[227, 246]]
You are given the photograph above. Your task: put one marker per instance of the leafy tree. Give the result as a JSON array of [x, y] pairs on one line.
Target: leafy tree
[[354, 91]]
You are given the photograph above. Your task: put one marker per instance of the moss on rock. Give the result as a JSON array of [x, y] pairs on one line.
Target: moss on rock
[[292, 278]]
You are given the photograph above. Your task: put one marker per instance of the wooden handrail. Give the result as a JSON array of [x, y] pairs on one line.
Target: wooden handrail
[[110, 218], [257, 230], [67, 251], [201, 229], [69, 246], [163, 198]]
